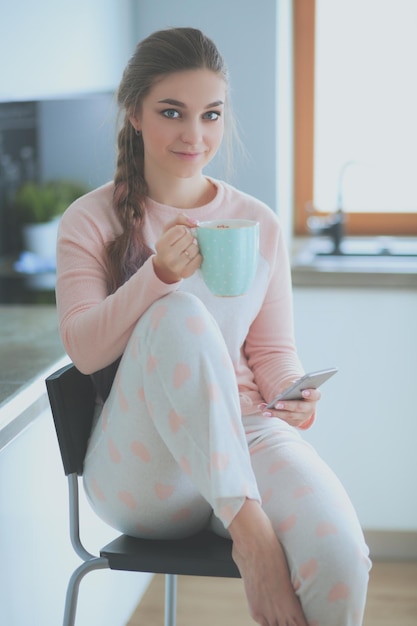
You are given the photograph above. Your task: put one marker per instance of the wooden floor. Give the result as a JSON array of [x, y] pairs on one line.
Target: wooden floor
[[392, 600]]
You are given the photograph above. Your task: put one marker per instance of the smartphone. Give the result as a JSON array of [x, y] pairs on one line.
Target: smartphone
[[313, 380]]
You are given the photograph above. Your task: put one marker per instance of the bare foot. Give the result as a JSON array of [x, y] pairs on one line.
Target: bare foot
[[263, 566]]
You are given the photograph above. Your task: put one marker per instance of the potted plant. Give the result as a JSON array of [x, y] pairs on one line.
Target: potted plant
[[39, 207]]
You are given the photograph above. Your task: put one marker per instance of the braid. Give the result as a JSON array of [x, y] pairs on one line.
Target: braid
[[128, 251]]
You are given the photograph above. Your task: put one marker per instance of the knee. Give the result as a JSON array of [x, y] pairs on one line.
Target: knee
[[183, 303], [174, 308], [176, 320]]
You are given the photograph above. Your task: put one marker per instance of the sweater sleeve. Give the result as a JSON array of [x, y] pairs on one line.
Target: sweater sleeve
[[270, 344], [95, 327]]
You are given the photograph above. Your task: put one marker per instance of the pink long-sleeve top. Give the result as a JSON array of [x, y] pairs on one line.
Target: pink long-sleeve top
[[95, 326]]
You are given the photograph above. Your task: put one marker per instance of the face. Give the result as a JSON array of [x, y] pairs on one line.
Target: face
[[182, 122]]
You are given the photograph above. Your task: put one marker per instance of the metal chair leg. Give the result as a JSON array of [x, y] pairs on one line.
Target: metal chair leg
[[170, 599], [73, 586]]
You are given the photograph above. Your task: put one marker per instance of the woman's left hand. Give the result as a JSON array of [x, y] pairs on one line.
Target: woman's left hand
[[297, 413]]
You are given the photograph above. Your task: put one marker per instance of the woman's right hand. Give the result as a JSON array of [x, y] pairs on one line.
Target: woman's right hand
[[177, 252]]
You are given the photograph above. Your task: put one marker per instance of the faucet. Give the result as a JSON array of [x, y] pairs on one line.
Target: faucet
[[332, 226]]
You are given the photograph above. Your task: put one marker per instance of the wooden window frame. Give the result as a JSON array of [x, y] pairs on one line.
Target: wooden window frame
[[304, 53]]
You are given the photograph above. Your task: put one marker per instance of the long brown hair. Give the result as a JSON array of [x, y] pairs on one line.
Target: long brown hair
[[163, 52]]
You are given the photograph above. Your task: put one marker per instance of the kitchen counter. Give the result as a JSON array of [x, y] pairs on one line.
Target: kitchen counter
[[30, 349], [349, 271]]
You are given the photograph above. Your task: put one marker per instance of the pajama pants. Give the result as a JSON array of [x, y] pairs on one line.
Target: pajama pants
[[171, 454]]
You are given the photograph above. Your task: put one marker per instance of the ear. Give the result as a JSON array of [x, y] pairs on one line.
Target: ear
[[134, 120]]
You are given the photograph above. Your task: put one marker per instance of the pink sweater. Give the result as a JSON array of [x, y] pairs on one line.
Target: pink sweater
[[95, 327]]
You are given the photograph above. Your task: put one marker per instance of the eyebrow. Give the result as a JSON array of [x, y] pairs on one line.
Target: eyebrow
[[177, 103]]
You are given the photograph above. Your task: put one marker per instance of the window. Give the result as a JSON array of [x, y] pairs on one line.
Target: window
[[355, 113]]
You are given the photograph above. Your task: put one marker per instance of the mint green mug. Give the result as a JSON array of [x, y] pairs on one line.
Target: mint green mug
[[230, 251]]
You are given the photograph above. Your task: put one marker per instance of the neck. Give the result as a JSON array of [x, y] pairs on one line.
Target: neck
[[182, 193]]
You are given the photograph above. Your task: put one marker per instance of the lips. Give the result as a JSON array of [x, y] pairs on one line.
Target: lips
[[188, 155]]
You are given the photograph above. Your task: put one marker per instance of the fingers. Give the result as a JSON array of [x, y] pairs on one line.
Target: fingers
[[191, 251], [179, 245], [177, 252], [180, 235], [297, 413], [183, 220]]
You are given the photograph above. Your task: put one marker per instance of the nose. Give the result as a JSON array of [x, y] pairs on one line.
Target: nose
[[192, 132]]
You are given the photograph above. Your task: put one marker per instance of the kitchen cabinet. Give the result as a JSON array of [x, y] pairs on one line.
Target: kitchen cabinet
[[37, 557], [51, 48], [366, 427]]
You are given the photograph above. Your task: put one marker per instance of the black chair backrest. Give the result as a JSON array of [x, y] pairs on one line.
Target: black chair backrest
[[72, 398]]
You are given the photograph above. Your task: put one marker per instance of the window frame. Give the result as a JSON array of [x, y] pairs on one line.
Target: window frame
[[395, 224]]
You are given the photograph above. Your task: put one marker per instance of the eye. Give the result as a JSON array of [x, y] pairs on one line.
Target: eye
[[170, 113], [212, 115]]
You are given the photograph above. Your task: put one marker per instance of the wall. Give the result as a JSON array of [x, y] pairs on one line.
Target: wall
[[36, 556], [245, 34], [366, 427]]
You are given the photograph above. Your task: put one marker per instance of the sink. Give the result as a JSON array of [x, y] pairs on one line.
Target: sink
[[375, 246], [376, 254]]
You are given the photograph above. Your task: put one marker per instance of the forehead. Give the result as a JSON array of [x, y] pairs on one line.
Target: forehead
[[192, 87]]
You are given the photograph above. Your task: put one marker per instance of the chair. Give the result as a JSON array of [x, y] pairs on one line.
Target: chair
[[71, 396]]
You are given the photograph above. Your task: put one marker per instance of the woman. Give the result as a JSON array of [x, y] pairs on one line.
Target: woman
[[182, 439]]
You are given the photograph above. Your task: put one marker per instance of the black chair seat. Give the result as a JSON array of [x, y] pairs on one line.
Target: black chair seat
[[203, 554]]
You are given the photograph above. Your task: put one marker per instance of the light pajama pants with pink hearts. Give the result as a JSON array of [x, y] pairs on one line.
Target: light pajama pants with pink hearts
[[171, 454]]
